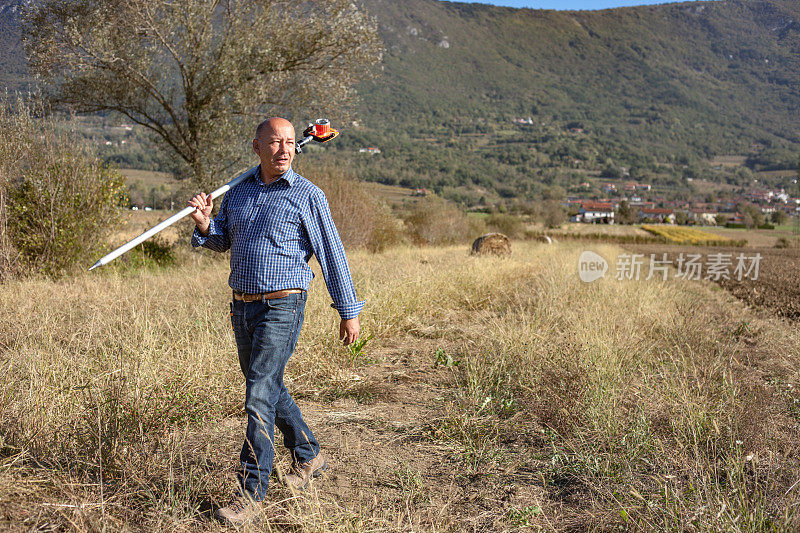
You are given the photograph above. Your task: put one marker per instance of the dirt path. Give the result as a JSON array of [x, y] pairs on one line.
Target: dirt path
[[383, 463], [389, 462]]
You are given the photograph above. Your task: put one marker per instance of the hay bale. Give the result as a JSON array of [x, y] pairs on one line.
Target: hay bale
[[492, 243]]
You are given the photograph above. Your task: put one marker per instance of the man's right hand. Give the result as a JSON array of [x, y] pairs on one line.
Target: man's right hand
[[202, 212]]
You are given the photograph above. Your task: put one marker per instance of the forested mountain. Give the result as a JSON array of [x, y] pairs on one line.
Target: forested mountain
[[655, 88], [647, 70], [474, 99]]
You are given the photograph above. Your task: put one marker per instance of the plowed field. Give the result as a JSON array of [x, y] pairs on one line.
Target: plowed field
[[776, 287]]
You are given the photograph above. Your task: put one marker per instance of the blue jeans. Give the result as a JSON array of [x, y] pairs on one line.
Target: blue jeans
[[266, 334]]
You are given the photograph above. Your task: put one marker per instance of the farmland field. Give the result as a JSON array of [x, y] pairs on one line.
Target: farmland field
[[775, 288], [688, 235], [494, 395], [759, 238], [606, 229], [149, 178], [136, 222]]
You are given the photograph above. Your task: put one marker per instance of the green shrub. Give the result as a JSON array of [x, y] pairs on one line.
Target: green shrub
[[509, 225], [61, 200], [553, 214], [154, 252]]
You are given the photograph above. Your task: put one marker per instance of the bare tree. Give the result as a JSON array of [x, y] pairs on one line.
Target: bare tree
[[197, 72]]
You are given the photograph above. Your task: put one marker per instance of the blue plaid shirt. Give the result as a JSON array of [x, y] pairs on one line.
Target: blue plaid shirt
[[272, 232]]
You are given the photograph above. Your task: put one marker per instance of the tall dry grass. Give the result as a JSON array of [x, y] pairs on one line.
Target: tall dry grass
[[8, 254], [434, 221], [362, 220], [633, 405], [656, 409]]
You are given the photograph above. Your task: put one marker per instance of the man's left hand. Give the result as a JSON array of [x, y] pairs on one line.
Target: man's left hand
[[349, 330]]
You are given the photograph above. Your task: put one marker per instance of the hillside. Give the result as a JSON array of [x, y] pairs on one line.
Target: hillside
[[646, 87], [485, 102], [671, 68]]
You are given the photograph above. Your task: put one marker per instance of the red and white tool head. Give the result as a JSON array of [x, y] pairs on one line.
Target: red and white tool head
[[319, 131]]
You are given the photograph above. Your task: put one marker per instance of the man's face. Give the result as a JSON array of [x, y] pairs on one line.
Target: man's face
[[275, 147]]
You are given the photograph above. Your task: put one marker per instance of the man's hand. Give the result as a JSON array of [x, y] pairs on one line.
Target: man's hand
[[349, 330], [202, 212]]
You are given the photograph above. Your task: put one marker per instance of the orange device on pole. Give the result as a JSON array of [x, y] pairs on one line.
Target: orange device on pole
[[320, 131]]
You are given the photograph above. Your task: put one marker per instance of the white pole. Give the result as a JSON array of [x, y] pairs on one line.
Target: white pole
[[170, 221]]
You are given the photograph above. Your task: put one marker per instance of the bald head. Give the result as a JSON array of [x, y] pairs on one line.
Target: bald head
[[274, 145], [273, 124]]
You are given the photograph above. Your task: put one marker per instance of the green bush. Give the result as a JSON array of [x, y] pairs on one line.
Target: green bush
[[61, 200], [154, 252], [509, 225]]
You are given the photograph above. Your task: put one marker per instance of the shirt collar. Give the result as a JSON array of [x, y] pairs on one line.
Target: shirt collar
[[289, 176]]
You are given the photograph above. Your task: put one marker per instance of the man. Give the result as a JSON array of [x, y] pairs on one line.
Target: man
[[273, 222]]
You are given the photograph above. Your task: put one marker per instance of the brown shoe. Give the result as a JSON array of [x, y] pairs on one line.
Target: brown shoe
[[240, 511], [302, 473]]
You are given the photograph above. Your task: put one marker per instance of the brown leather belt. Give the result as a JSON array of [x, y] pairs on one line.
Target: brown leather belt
[[242, 296]]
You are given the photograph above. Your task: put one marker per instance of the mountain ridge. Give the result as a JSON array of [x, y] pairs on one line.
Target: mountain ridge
[[656, 88], [591, 42]]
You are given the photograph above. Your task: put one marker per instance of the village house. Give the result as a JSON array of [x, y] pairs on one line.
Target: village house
[[779, 196], [636, 186], [734, 218], [703, 216], [595, 213], [663, 216]]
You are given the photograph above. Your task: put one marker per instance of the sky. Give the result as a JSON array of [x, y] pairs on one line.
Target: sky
[[570, 4]]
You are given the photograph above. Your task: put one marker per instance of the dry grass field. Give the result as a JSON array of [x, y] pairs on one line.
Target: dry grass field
[[134, 223], [149, 178], [758, 238], [605, 229], [494, 395]]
